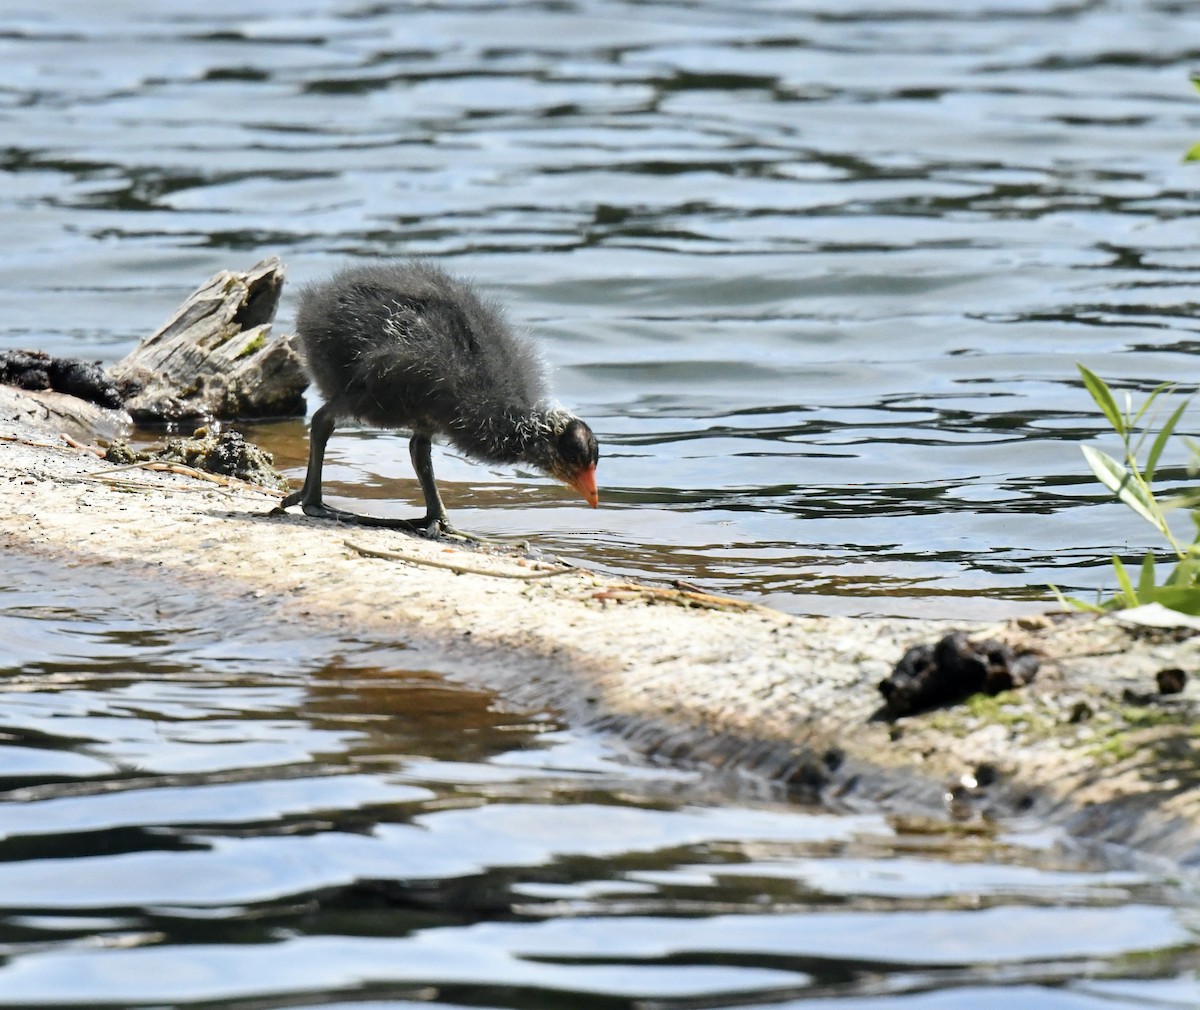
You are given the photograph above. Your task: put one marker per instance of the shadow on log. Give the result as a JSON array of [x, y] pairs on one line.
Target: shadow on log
[[216, 356]]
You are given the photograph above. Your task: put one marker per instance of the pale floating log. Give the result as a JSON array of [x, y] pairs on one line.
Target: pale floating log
[[216, 357], [1091, 743]]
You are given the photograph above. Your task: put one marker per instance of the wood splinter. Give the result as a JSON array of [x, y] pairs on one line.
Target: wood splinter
[[450, 566]]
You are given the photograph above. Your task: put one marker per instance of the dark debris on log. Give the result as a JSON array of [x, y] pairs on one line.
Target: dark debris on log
[[929, 676], [37, 370]]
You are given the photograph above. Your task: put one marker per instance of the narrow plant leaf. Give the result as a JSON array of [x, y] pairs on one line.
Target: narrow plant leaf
[[1133, 448], [1192, 153], [1145, 584], [1127, 590], [1120, 482], [1074, 603], [1186, 573], [1155, 393], [1161, 441], [1100, 392], [1188, 499]]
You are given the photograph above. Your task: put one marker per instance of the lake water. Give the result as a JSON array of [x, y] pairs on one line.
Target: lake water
[[817, 274], [257, 818]]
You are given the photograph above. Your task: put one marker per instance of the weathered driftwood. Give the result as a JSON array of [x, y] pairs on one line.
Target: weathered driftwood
[[216, 356], [47, 411]]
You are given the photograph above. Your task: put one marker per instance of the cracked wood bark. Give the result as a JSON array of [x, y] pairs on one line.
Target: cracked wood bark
[[216, 356]]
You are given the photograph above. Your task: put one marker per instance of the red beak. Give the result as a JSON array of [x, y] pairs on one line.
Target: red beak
[[585, 483]]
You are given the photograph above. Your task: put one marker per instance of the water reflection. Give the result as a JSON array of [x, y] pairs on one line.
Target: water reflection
[[232, 812]]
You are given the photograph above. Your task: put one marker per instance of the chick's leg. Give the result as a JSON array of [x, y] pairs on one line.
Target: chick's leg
[[309, 497]]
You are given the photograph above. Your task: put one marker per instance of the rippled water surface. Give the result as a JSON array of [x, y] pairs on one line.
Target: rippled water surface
[[252, 817], [817, 274]]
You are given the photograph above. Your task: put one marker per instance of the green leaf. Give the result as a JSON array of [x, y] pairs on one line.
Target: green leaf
[[1161, 441], [1195, 79], [1155, 393], [1145, 584], [1073, 603], [1186, 600], [1100, 392], [1186, 573], [1185, 500], [1120, 482], [1127, 590]]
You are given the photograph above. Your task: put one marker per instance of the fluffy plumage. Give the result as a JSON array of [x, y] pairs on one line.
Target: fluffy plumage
[[405, 345]]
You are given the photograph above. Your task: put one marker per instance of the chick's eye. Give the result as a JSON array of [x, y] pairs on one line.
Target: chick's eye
[[575, 447], [570, 450]]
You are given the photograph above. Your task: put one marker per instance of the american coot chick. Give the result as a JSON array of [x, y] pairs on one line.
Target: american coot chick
[[405, 345]]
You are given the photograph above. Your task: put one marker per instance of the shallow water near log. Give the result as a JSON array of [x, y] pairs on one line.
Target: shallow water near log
[[202, 810], [817, 275]]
